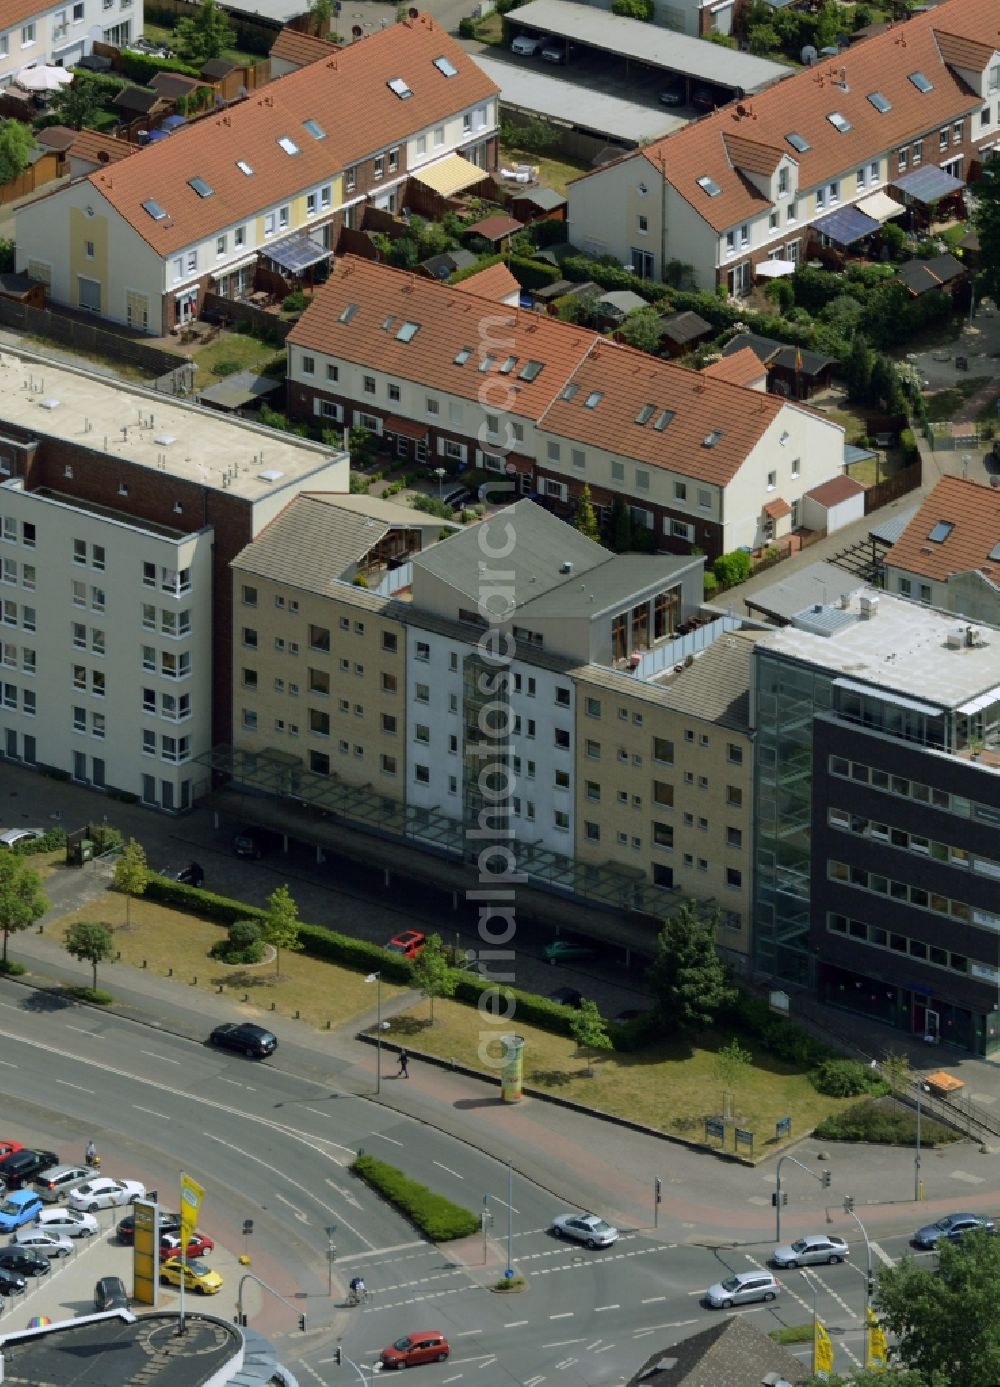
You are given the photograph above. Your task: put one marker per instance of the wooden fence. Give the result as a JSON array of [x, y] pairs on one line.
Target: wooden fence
[[906, 479], [35, 176]]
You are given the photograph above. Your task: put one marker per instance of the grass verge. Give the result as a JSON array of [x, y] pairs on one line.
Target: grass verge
[[434, 1215], [231, 349], [792, 1334]]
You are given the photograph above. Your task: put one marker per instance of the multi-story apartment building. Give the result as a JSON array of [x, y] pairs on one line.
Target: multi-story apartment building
[[62, 33], [442, 374], [120, 510], [142, 242], [877, 814], [906, 115], [949, 554], [623, 766]]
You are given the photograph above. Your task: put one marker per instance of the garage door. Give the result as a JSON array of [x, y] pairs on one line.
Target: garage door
[[89, 293]]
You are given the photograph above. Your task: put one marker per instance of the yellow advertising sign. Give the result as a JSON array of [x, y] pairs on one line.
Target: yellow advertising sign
[[145, 1259], [878, 1348], [822, 1352], [192, 1195]]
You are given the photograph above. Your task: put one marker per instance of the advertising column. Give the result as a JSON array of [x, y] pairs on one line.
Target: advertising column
[[512, 1070]]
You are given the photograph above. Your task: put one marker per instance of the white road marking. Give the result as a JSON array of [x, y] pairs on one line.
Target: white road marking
[[302, 1218], [397, 1247], [534, 1381], [489, 1362], [451, 1379], [382, 1137], [652, 1300], [79, 1087], [344, 1194], [151, 1112], [464, 1333], [93, 1035], [165, 1058], [7, 1064], [235, 1082], [513, 1210], [882, 1255], [590, 1347], [476, 1358], [606, 1349], [448, 1170], [515, 1324], [599, 1308], [563, 1315], [567, 1362]]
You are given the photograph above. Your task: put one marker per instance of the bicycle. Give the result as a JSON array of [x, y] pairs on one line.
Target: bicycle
[[356, 1297]]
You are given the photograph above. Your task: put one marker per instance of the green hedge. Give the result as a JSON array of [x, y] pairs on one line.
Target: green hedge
[[881, 1120], [784, 1038], [435, 1216], [50, 841], [846, 1078], [529, 1007], [533, 274], [141, 68]]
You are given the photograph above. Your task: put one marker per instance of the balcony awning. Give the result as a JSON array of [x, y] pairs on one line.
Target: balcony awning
[[405, 428], [297, 252], [846, 225], [450, 175], [927, 184], [880, 206]]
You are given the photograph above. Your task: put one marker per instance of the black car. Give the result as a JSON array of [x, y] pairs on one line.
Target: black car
[[253, 1041], [110, 1294], [566, 996], [23, 1260], [12, 1282], [252, 842], [169, 1223], [19, 1168]]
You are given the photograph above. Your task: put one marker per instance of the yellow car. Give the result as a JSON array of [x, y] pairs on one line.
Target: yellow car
[[199, 1276]]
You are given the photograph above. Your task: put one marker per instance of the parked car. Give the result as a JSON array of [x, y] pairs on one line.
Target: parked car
[[707, 98], [47, 1244], [169, 1223], [673, 92], [6, 1147], [253, 1041], [252, 842], [952, 1226], [807, 1252], [11, 1283], [423, 1346], [105, 1193], [21, 1167], [585, 1228], [13, 836], [110, 1294], [191, 875], [199, 1244], [409, 943], [566, 996], [67, 1223], [527, 45], [198, 1276], [58, 1180], [555, 51], [742, 1289], [23, 1261], [565, 950], [20, 1207]]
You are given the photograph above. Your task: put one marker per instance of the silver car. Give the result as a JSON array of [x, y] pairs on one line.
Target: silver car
[[58, 1180], [66, 1223], [585, 1228], [47, 1244], [806, 1252], [950, 1228], [741, 1289]]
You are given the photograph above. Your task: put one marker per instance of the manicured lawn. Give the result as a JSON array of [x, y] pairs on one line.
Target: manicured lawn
[[167, 938], [553, 173], [246, 352], [670, 1085], [159, 33]]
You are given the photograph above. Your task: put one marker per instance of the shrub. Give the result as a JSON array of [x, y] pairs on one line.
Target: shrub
[[360, 581], [467, 27], [10, 968], [228, 367], [96, 995], [711, 584], [533, 274], [634, 9], [141, 68], [908, 444], [845, 1078], [435, 1216], [50, 841], [883, 1121], [243, 943], [782, 1037], [733, 568]]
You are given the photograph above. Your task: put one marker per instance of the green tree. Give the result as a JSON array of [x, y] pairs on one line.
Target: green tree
[[131, 875], [634, 9], [858, 368], [432, 972], [829, 23], [22, 900], [79, 103], [621, 526], [987, 223], [16, 141], [946, 1319], [687, 977], [321, 13], [280, 925], [90, 941], [641, 329], [885, 387], [896, 1069], [205, 35], [590, 1031], [585, 519], [731, 1063]]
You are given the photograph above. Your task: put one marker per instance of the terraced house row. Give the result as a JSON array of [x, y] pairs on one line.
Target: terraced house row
[[898, 121], [276, 175]]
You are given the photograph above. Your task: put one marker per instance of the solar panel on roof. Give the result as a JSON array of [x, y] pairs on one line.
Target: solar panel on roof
[[446, 68], [153, 209], [797, 141], [399, 87], [880, 102], [922, 83]]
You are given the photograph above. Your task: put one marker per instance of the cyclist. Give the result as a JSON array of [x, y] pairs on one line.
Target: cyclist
[[358, 1291]]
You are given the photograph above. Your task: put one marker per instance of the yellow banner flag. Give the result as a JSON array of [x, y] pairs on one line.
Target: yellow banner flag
[[191, 1196], [878, 1349], [822, 1352]]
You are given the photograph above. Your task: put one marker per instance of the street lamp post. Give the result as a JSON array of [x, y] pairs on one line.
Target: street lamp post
[[376, 978], [440, 473], [331, 1257], [918, 1184], [849, 1209]]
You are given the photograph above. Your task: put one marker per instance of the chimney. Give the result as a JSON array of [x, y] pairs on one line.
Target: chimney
[[869, 608]]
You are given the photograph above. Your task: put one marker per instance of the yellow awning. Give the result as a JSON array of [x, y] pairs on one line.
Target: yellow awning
[[450, 175]]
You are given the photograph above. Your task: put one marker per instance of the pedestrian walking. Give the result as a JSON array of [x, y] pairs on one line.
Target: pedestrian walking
[[404, 1059]]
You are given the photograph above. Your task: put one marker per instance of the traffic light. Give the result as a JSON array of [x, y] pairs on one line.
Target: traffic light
[[826, 1178], [338, 1357], [247, 1227], [848, 1203], [871, 1285], [784, 1199], [302, 1323]]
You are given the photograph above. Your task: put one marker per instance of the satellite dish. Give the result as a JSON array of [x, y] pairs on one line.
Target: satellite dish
[[413, 13], [808, 55]]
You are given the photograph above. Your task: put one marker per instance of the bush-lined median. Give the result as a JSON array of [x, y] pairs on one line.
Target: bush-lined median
[[434, 1215]]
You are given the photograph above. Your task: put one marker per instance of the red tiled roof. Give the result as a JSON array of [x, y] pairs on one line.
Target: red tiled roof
[[495, 282], [836, 490], [742, 368], [708, 426], [778, 509], [973, 511], [347, 93], [492, 228], [957, 31], [293, 46], [100, 149], [17, 11]]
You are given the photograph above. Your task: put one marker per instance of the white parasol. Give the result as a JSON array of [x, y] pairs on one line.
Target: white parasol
[[43, 78]]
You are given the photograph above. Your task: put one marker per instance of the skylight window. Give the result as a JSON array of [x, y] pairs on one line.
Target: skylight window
[[348, 313], [244, 167], [508, 366], [530, 370], [593, 399], [663, 420], [922, 83], [797, 141], [994, 552], [839, 122], [708, 185], [202, 188], [941, 531], [446, 68], [710, 439], [399, 87], [407, 332], [388, 322], [462, 357], [315, 129], [486, 363], [645, 414], [568, 391], [153, 209], [880, 102], [286, 143]]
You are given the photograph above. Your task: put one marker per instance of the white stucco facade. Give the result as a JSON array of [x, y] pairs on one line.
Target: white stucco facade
[[64, 33]]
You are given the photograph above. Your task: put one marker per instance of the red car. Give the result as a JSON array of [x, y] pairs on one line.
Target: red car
[[425, 1346], [6, 1147], [409, 943], [170, 1246]]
